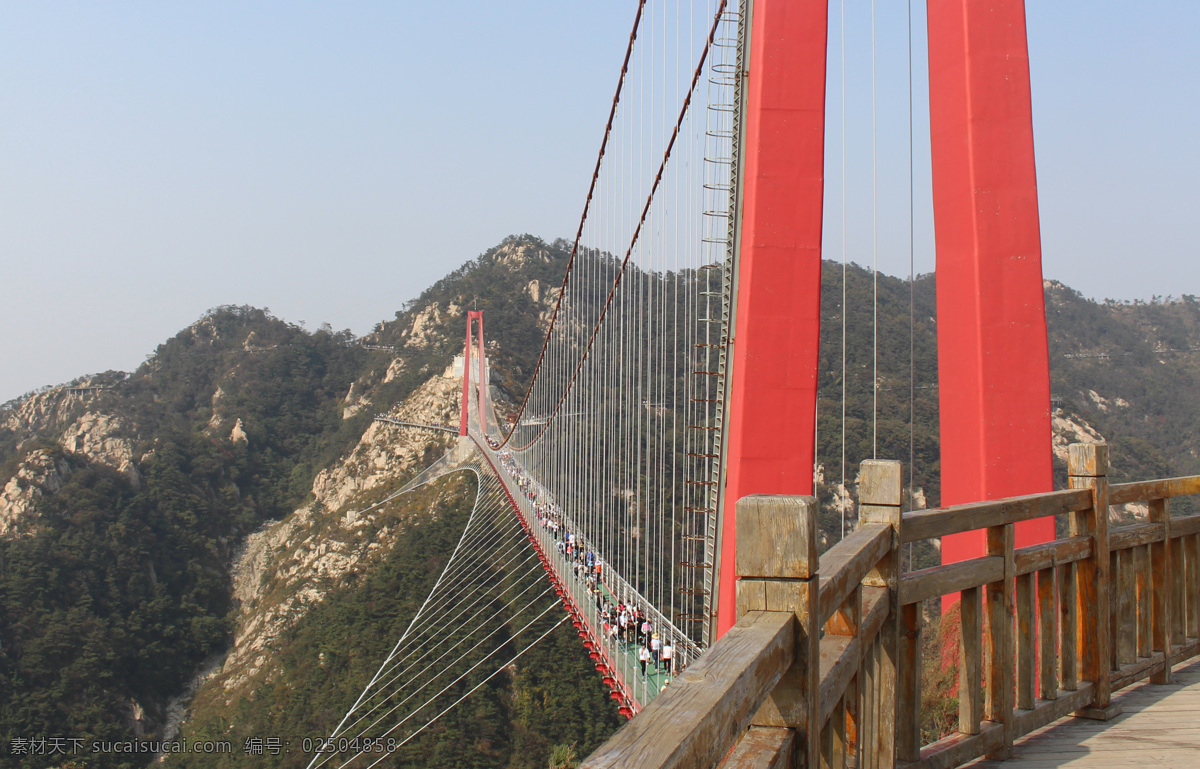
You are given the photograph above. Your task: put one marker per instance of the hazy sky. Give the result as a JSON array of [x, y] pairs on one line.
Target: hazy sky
[[331, 160]]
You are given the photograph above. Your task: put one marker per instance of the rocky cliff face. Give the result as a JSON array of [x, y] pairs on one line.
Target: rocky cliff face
[[104, 439], [288, 566], [41, 473], [49, 412], [74, 417], [1070, 428], [386, 451]]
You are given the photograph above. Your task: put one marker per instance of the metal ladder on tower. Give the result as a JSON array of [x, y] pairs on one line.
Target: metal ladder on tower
[[710, 352]]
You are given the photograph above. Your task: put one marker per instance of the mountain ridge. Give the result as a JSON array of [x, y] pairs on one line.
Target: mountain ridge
[[245, 434]]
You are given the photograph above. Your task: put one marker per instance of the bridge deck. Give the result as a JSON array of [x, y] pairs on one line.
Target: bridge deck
[[1159, 728]]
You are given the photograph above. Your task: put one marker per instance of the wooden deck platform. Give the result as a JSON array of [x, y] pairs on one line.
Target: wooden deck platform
[[1159, 728]]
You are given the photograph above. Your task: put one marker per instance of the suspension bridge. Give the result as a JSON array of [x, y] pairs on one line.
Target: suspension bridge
[[653, 486]]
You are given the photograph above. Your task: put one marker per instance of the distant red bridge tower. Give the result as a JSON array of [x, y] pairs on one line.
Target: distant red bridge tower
[[474, 319]]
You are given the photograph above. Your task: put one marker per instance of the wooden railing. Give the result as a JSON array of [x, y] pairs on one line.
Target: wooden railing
[[824, 664]]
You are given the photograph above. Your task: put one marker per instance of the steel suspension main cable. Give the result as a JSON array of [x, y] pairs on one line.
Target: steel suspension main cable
[[637, 21], [625, 261]]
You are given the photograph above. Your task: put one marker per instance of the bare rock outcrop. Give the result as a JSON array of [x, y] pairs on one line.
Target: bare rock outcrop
[[422, 326], [290, 565], [1067, 429], [41, 473], [395, 368], [49, 411], [68, 415], [103, 439], [1104, 404], [385, 450], [214, 421], [356, 400], [517, 255]]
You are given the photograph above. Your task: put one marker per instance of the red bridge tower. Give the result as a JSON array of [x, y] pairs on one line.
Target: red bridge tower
[[992, 350]]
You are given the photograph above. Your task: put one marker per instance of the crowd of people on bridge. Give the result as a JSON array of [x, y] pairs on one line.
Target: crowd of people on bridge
[[585, 564], [630, 626], [620, 622]]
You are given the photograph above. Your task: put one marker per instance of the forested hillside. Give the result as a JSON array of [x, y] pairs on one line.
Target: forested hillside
[[130, 497], [1132, 371], [1126, 372], [204, 509], [114, 584], [321, 664]]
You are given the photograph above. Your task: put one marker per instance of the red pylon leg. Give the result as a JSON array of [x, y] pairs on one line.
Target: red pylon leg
[[483, 383], [993, 363], [462, 424], [773, 387]]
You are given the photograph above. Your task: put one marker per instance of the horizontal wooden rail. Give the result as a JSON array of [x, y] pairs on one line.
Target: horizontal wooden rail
[[1185, 525], [1144, 491], [1057, 552], [937, 581], [1136, 535], [927, 524], [845, 564], [704, 711], [958, 749]]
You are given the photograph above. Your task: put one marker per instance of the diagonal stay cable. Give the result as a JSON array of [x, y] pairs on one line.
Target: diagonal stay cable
[[488, 501], [474, 510], [394, 660], [416, 482], [463, 675], [452, 705], [436, 619], [451, 566], [387, 694], [485, 535], [448, 649]]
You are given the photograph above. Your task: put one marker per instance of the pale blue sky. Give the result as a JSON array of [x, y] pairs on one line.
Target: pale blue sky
[[329, 161]]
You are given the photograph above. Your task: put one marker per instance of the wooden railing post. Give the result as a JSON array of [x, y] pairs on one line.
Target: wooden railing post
[[1160, 588], [998, 630], [880, 486], [844, 721], [1087, 464], [777, 564]]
